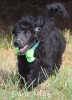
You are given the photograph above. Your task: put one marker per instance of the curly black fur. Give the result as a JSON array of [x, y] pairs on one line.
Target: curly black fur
[[28, 31]]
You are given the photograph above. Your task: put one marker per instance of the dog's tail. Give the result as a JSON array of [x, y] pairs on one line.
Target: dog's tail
[[59, 8]]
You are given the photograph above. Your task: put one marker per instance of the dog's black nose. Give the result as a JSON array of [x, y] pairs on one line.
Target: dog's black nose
[[16, 43]]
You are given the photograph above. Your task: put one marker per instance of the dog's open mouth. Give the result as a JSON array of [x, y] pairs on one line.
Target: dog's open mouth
[[23, 49]]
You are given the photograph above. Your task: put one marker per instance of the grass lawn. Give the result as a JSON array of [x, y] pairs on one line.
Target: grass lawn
[[57, 87]]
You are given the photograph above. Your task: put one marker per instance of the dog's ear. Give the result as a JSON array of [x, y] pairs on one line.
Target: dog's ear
[[37, 33], [15, 28], [39, 22]]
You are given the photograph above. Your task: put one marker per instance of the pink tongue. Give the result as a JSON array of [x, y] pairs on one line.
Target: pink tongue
[[22, 49]]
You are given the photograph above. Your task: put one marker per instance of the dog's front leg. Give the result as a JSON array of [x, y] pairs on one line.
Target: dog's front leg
[[22, 69]]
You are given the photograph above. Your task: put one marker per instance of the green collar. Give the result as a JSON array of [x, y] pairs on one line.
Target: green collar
[[30, 53]]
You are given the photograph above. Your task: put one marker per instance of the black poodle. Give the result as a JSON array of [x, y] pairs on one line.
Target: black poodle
[[41, 46]]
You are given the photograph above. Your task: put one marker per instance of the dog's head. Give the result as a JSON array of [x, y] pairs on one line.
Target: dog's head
[[27, 32]]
